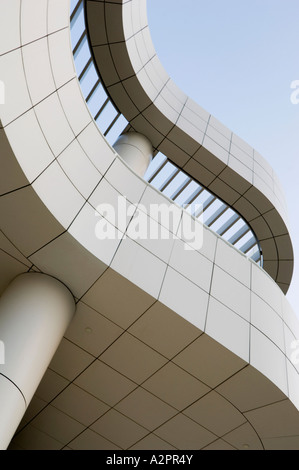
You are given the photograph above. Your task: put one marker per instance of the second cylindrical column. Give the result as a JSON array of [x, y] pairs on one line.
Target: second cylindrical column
[[136, 150]]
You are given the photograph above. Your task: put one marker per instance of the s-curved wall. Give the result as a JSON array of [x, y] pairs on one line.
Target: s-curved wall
[[159, 354], [186, 133]]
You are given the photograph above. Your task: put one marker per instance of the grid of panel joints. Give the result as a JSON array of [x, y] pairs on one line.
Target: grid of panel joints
[[162, 174]]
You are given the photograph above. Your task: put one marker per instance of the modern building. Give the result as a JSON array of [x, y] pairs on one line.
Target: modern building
[[108, 339]]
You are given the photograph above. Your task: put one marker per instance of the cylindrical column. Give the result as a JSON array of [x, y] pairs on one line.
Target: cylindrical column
[[35, 311], [136, 150]]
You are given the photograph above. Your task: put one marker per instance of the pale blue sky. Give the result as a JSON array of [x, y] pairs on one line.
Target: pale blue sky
[[237, 59]]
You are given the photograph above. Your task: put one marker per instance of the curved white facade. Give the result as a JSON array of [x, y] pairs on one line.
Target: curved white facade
[[190, 137], [160, 354]]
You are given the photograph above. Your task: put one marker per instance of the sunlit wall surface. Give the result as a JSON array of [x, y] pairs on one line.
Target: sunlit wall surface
[[162, 174]]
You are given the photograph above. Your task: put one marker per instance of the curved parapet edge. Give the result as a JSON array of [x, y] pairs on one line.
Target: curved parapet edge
[[57, 168], [186, 133]]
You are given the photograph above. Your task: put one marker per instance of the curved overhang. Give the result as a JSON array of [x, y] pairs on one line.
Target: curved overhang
[[162, 316], [187, 134]]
